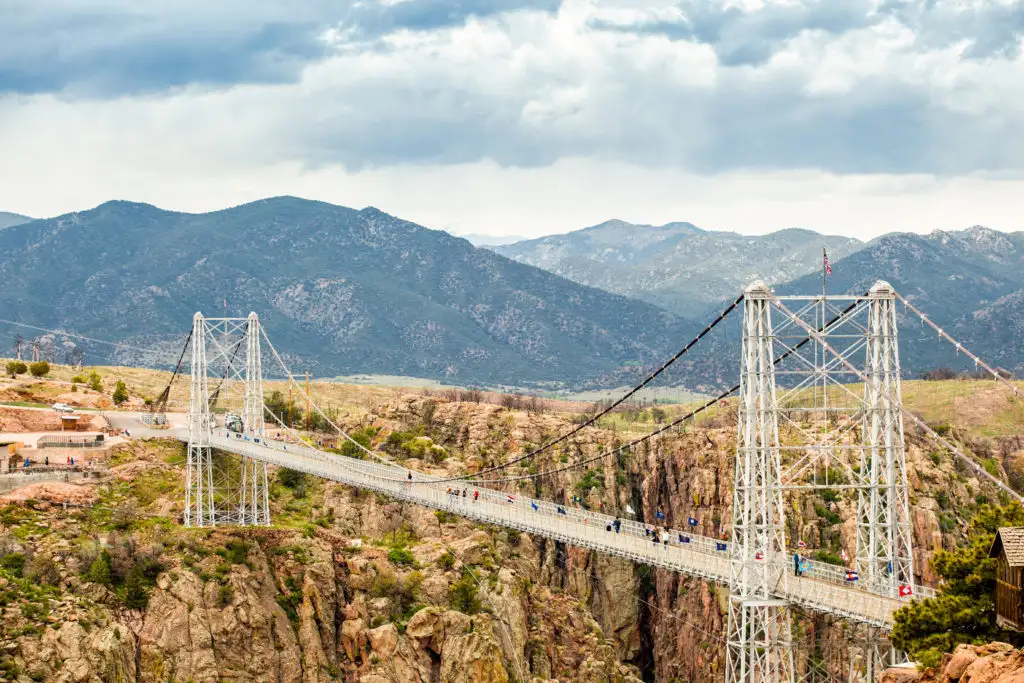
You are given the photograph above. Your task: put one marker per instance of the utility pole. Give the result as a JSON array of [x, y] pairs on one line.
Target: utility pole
[[35, 350], [18, 343], [307, 400]]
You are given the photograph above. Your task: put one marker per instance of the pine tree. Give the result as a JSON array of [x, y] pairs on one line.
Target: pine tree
[[964, 610]]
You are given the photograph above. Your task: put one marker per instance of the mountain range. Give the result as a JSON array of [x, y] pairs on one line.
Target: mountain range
[[970, 282], [8, 219], [677, 266], [339, 290], [346, 291]]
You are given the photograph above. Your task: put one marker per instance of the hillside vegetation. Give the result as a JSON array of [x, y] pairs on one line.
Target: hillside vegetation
[[339, 291]]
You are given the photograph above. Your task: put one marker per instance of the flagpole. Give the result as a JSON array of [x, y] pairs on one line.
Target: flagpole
[[824, 322]]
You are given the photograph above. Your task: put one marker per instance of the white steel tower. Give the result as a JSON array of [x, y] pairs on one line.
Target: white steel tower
[[216, 489], [199, 507], [759, 648], [253, 508], [884, 554]]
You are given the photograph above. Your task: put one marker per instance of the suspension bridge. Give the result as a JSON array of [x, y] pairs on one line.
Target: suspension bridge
[[801, 359]]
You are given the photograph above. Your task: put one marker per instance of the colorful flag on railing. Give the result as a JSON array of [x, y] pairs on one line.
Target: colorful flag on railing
[[852, 575], [534, 505], [905, 591], [692, 521], [801, 544], [684, 539], [511, 499], [758, 555], [659, 515], [719, 546]]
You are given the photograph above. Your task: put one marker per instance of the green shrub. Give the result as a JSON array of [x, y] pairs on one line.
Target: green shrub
[[120, 393], [237, 550], [95, 381], [16, 367], [136, 592], [78, 379], [828, 557], [830, 518], [464, 597], [592, 479], [445, 517], [401, 556], [446, 561], [100, 569], [14, 563], [293, 479], [39, 368]]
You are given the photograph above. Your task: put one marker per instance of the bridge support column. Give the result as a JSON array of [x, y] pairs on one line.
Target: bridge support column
[[253, 504], [759, 647], [199, 491], [884, 551]]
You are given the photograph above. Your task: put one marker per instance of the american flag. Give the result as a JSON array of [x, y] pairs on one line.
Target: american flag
[[828, 266]]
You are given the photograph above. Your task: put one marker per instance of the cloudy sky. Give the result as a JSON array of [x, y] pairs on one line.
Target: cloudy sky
[[524, 117]]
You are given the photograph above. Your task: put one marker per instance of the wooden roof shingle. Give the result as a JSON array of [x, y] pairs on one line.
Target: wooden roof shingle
[[1009, 539]]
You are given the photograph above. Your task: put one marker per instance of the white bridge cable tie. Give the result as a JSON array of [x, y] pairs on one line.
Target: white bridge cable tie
[[959, 347]]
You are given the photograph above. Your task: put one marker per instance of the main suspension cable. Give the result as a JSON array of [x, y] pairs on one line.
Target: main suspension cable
[[160, 404], [475, 475], [625, 397], [678, 421]]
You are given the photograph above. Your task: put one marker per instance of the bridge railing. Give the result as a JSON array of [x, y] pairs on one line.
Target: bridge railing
[[393, 479]]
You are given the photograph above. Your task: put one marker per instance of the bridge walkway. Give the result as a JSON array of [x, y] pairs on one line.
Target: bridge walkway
[[822, 589]]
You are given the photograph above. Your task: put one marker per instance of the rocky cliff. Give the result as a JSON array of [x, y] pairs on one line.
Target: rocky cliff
[[992, 663], [351, 584]]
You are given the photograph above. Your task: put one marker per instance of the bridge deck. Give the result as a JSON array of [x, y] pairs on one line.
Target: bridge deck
[[822, 589]]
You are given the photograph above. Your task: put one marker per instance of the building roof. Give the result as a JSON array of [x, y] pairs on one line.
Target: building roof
[[1009, 540]]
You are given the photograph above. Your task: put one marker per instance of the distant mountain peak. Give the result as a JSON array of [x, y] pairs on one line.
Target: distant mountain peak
[[341, 291], [677, 266]]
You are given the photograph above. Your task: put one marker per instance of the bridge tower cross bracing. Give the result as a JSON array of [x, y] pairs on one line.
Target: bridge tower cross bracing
[[253, 506], [199, 491], [884, 552], [759, 646]]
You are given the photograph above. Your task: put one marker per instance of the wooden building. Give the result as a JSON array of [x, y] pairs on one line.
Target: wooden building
[[1008, 549]]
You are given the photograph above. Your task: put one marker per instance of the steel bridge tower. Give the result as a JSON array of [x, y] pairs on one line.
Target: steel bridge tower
[[254, 507], [225, 495], [884, 554], [199, 508], [759, 647]]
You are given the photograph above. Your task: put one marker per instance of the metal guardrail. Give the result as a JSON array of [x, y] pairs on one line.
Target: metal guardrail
[[822, 588], [71, 442]]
